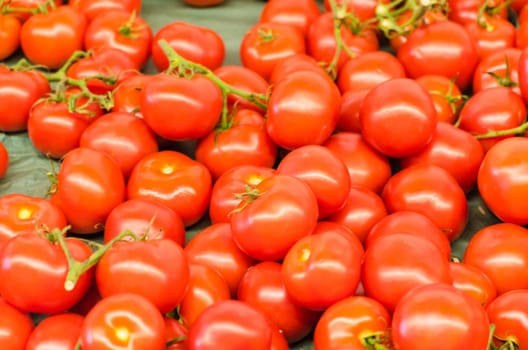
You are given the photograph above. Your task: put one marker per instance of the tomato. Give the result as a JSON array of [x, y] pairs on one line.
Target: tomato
[[262, 286], [508, 313], [206, 287], [398, 117], [491, 34], [299, 14], [432, 191], [60, 332], [256, 227], [95, 8], [473, 281], [350, 323], [34, 255], [23, 8], [193, 42], [454, 150], [198, 102], [10, 28], [439, 314], [410, 222], [348, 120], [122, 136], [145, 218], [50, 38], [214, 246], [523, 73], [15, 327], [123, 321], [121, 30], [444, 48], [21, 213], [176, 334], [505, 259], [501, 182], [331, 256], [385, 265], [267, 43], [4, 160], [294, 63], [243, 141], [362, 9], [466, 11], [175, 180], [161, 266], [447, 97], [500, 68], [366, 166], [325, 173], [127, 95], [226, 323], [289, 123]]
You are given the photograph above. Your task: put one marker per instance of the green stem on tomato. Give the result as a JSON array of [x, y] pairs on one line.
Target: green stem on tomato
[[175, 340], [506, 132], [60, 74]]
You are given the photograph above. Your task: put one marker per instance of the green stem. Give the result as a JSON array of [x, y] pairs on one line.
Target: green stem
[[60, 74], [506, 132], [175, 340]]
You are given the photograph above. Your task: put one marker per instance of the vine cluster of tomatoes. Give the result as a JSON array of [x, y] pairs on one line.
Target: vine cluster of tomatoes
[[333, 167]]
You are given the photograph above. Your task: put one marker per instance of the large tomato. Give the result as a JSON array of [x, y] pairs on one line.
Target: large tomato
[[15, 327], [473, 281], [60, 332], [10, 35], [508, 313]]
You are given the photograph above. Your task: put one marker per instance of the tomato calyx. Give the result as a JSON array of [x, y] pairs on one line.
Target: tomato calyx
[[508, 343], [266, 35], [452, 100], [505, 80], [45, 7], [128, 29], [376, 341], [250, 194]]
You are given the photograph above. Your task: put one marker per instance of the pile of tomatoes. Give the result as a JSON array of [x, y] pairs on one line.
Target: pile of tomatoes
[[310, 196]]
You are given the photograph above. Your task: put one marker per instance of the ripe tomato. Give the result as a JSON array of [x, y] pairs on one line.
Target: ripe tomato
[[466, 11], [27, 6], [384, 265], [125, 320], [349, 111], [331, 254], [15, 327], [34, 255], [431, 191], [4, 160], [350, 322], [398, 117], [447, 97], [175, 180], [193, 42], [50, 38], [266, 43], [198, 101], [145, 218], [294, 63], [59, 331], [505, 260], [94, 8], [262, 286], [89, 185], [289, 123], [10, 27], [501, 180], [473, 281], [175, 333], [127, 95], [491, 34], [256, 227], [439, 314], [508, 313], [214, 246], [122, 136], [297, 13]]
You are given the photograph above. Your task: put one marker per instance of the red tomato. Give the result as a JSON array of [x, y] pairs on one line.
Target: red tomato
[[466, 11], [206, 287], [214, 246], [267, 43], [366, 166], [444, 48], [432, 191], [198, 101], [26, 7], [21, 213], [95, 8], [501, 180], [125, 320], [505, 260], [120, 30], [500, 68], [508, 314], [351, 101], [491, 34], [349, 323], [297, 13], [262, 286], [162, 268], [4, 160], [439, 314], [384, 264], [10, 27], [447, 97], [176, 334], [331, 254], [50, 38], [398, 117], [289, 123], [145, 218], [454, 150], [325, 173], [523, 73], [45, 261], [473, 281], [256, 227], [294, 63], [59, 332], [193, 42], [15, 327], [122, 136], [127, 95], [175, 180]]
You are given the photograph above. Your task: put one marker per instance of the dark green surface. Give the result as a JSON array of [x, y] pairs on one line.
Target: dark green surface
[[27, 168]]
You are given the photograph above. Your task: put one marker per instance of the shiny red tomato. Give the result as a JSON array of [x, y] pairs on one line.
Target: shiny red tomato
[[447, 97], [467, 11], [124, 320], [473, 281], [351, 101], [15, 327], [491, 34], [508, 314], [60, 332], [297, 13], [95, 8], [294, 63], [10, 27], [175, 180], [499, 68], [127, 95]]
